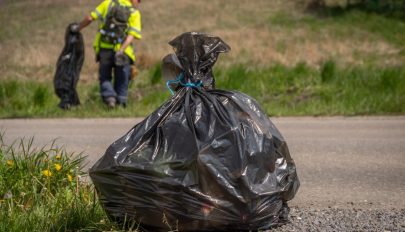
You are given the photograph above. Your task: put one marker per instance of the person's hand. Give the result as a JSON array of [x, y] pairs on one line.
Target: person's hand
[[74, 28], [121, 59]]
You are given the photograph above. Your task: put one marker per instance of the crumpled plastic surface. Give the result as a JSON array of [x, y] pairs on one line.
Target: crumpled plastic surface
[[68, 68], [206, 160]]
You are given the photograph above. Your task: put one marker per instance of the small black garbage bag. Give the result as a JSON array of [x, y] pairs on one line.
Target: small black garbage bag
[[68, 68], [206, 160]]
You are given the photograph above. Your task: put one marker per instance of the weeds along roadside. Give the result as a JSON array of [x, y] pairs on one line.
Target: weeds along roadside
[[331, 89], [43, 190]]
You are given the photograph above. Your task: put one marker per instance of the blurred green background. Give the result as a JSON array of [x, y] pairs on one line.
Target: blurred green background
[[296, 57]]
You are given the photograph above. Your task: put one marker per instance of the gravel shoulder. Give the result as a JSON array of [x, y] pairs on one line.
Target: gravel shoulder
[[355, 218]]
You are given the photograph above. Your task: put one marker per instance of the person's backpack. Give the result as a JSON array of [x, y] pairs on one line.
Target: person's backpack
[[116, 24]]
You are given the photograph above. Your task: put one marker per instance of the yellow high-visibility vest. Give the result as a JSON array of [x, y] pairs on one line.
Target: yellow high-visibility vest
[[134, 26]]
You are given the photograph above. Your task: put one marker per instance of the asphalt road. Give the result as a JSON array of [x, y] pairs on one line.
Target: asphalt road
[[341, 161]]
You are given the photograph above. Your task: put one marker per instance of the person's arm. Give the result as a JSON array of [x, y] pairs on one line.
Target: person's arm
[[87, 20], [127, 42], [134, 30], [94, 15]]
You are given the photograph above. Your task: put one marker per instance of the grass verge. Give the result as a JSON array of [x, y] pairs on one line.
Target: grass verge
[[281, 90]]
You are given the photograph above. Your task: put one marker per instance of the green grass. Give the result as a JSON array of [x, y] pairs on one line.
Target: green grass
[[351, 25], [44, 190], [302, 90], [281, 90]]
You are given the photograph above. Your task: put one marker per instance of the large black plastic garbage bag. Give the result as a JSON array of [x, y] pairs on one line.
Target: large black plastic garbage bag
[[68, 68], [206, 160]]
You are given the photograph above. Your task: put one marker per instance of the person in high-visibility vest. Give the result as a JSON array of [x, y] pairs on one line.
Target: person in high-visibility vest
[[120, 24]]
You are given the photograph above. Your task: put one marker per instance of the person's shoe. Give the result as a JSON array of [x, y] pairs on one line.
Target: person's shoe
[[122, 104], [110, 102]]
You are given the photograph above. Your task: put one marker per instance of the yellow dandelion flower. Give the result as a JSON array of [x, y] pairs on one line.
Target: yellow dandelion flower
[[58, 167], [47, 173], [10, 163], [58, 157], [70, 178]]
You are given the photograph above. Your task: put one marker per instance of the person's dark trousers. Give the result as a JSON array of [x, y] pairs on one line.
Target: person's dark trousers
[[118, 88]]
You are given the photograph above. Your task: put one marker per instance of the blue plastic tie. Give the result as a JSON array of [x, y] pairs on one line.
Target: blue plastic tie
[[192, 85], [179, 80]]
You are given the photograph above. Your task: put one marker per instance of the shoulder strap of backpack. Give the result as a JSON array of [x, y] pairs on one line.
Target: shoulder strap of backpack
[[109, 9], [111, 5]]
